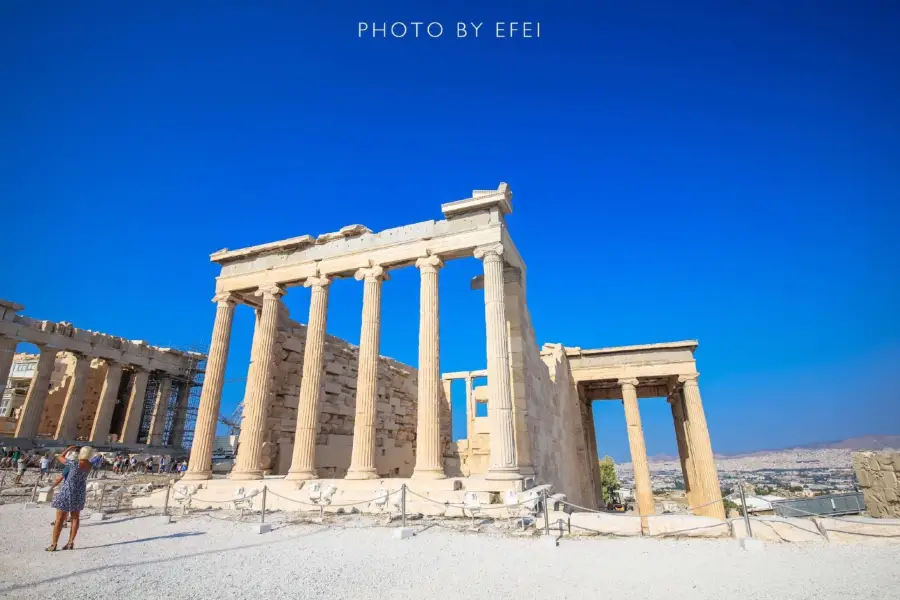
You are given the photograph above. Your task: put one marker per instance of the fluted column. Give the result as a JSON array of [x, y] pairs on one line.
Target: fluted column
[[7, 354], [259, 383], [200, 464], [642, 488], [500, 409], [429, 460], [136, 397], [303, 462], [707, 490], [67, 428], [362, 459], [180, 416], [676, 401], [470, 409], [30, 415], [160, 408], [106, 404]]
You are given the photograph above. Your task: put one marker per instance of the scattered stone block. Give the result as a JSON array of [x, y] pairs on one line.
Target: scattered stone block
[[686, 526], [585, 523], [98, 516], [31, 505], [401, 533], [860, 530], [778, 529]]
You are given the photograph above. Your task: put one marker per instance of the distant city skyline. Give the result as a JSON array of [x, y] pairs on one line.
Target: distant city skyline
[[726, 174]]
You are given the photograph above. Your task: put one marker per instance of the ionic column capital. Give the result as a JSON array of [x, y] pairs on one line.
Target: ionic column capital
[[225, 298], [628, 382], [488, 251], [690, 379], [374, 273], [429, 264], [270, 292], [321, 281]]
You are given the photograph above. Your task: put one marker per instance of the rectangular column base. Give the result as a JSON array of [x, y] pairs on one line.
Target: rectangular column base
[[752, 545], [401, 533], [98, 516], [31, 505], [164, 519]]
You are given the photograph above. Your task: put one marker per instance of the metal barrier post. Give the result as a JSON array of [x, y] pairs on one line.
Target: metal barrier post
[[546, 514], [403, 505], [34, 492], [100, 500], [166, 504], [744, 506], [262, 514], [2, 480]]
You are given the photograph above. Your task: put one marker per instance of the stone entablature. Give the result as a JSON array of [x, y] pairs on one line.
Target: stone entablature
[[99, 370], [65, 337]]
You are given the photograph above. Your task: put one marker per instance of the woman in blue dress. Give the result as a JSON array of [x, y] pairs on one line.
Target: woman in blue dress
[[72, 493]]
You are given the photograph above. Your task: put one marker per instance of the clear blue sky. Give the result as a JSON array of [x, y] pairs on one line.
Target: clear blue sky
[[680, 170]]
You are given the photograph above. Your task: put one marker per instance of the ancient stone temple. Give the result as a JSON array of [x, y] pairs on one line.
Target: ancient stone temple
[[318, 407], [84, 385]]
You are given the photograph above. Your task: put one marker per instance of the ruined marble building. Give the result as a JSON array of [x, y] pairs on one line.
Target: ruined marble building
[[83, 385], [318, 407]]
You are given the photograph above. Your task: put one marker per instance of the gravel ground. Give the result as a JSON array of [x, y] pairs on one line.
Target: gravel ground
[[133, 556]]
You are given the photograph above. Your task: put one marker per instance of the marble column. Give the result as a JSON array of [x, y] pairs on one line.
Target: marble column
[[516, 326], [676, 401], [136, 397], [362, 459], [200, 463], [642, 489], [429, 458], [180, 416], [707, 490], [303, 462], [67, 428], [30, 415], [7, 353], [106, 404], [500, 410], [259, 384], [160, 409], [470, 409]]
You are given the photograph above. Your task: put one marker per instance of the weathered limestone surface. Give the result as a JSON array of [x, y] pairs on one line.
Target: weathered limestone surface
[[778, 529], [687, 526], [860, 530], [585, 523], [878, 474], [30, 415], [395, 419]]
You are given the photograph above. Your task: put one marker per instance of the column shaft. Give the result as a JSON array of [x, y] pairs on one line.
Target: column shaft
[[160, 409], [684, 453], [7, 354], [470, 411], [136, 397], [200, 464], [643, 490], [30, 415], [429, 457], [303, 462], [362, 459], [500, 410], [106, 404], [707, 488], [256, 395], [180, 416], [67, 428]]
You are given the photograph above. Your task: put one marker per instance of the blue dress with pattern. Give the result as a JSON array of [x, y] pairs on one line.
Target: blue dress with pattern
[[73, 490]]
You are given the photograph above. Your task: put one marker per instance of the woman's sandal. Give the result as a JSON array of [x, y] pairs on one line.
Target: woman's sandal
[[69, 547], [51, 548]]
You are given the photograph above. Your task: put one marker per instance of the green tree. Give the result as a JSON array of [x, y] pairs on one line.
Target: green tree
[[609, 480]]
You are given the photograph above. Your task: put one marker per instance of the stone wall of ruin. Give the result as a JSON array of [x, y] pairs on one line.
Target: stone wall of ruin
[[878, 474], [57, 395], [396, 407], [555, 423]]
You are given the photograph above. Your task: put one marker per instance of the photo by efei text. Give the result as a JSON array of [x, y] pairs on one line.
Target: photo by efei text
[[436, 29]]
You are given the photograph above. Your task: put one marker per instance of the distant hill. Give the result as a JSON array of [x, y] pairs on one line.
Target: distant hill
[[865, 442]]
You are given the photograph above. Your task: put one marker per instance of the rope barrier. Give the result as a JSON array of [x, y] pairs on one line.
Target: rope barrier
[[274, 493]]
